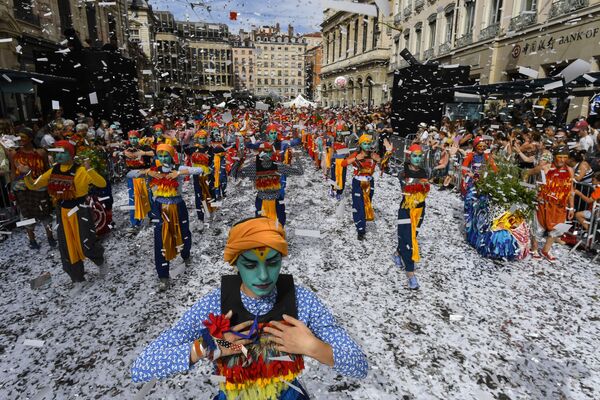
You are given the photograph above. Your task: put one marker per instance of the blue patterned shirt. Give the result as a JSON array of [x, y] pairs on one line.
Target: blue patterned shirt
[[170, 352]]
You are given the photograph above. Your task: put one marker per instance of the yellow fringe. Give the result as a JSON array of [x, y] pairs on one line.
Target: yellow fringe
[[265, 388]]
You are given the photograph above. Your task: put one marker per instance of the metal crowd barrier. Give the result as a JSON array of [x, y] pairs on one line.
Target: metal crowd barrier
[[590, 238]]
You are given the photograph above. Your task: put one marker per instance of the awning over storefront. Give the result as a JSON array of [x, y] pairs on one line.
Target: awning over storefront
[[585, 85], [14, 74]]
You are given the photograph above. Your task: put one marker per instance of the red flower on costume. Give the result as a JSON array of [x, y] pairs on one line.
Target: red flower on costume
[[217, 325]]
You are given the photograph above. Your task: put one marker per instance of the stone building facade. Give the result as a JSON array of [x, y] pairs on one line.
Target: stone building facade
[[356, 47]]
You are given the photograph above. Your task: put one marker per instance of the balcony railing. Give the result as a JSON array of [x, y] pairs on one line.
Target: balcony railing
[[444, 48], [406, 12], [522, 21], [427, 54], [562, 7], [465, 40], [489, 32], [419, 4]]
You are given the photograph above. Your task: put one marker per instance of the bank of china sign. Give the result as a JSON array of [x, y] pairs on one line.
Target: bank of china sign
[[550, 42]]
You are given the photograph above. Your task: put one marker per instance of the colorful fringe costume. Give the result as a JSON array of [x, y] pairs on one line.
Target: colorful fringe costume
[[138, 188], [219, 179], [171, 221], [267, 180], [553, 198], [415, 188], [201, 157], [337, 172], [363, 187], [257, 375], [69, 185], [32, 203]]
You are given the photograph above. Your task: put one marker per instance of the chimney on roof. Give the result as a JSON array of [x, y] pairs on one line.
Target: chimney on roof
[[277, 27], [290, 30]]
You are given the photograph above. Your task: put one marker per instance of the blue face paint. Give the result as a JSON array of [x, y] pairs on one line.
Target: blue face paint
[[366, 146], [273, 136], [201, 142], [134, 140], [259, 269], [416, 159], [63, 157], [165, 158]]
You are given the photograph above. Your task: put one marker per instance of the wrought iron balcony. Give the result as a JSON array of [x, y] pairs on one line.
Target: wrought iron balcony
[[444, 48], [419, 4], [427, 54], [406, 12], [562, 7], [465, 40], [522, 21], [489, 32]]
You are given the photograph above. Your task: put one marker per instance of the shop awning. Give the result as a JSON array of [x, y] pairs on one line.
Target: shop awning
[[20, 75], [584, 85]]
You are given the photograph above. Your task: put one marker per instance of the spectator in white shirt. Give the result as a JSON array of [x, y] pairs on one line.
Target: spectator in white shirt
[[586, 141]]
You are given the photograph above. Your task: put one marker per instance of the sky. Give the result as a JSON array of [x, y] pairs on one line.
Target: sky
[[304, 15]]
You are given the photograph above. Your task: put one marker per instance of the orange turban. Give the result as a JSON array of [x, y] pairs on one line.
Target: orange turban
[[166, 147], [365, 138], [253, 233], [169, 149]]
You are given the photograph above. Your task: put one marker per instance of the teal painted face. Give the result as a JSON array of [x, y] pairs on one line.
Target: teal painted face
[[63, 157], [158, 132], [366, 146], [201, 141], [272, 136], [165, 158], [259, 269], [416, 158], [134, 140]]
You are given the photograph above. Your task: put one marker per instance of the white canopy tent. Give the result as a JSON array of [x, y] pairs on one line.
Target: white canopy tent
[[299, 102]]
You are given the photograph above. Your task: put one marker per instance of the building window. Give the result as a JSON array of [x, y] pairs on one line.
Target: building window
[[340, 45], [418, 33], [365, 27], [355, 36], [496, 12], [432, 30], [347, 40], [449, 24], [375, 32], [333, 47], [528, 5], [469, 16]]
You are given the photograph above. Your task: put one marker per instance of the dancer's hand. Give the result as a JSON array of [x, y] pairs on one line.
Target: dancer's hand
[[293, 337], [571, 214], [360, 156], [233, 339]]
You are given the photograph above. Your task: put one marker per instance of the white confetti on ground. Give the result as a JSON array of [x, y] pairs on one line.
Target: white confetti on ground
[[477, 329]]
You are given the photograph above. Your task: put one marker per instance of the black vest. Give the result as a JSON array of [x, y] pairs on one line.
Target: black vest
[[231, 299]]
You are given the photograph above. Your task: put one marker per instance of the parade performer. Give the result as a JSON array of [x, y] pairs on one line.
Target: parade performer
[[282, 150], [256, 328], [414, 180], [170, 216], [138, 157], [219, 181], [473, 163], [200, 156], [337, 173], [556, 199], [364, 162], [266, 175], [32, 203], [68, 184]]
